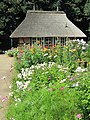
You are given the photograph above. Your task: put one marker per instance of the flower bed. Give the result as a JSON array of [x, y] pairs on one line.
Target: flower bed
[[51, 84]]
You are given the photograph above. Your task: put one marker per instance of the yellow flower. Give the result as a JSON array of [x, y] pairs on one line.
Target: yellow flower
[[78, 60], [32, 50], [73, 50], [55, 51], [45, 49], [66, 47], [89, 63]]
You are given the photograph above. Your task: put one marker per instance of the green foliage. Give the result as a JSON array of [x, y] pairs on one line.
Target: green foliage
[[51, 84], [47, 97], [84, 94], [87, 8], [44, 105]]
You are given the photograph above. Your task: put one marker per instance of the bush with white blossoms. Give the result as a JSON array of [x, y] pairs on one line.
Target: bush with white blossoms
[[22, 85], [26, 73]]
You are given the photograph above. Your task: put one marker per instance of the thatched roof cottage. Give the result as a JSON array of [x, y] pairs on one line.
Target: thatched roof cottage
[[47, 27]]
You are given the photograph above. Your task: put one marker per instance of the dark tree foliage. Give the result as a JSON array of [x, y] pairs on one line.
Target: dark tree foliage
[[12, 12]]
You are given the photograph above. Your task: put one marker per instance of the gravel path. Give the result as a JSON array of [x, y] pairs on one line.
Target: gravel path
[[5, 83]]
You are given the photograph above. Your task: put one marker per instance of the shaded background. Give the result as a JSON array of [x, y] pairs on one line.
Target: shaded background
[[12, 13]]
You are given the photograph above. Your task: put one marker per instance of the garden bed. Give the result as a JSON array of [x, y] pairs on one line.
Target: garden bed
[[51, 84]]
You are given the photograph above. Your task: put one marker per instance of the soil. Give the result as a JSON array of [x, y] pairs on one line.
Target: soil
[[6, 66]]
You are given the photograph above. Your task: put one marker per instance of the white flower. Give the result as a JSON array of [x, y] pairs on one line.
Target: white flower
[[12, 119], [37, 66], [19, 84], [17, 99], [32, 67], [22, 70], [24, 74], [75, 84], [45, 54], [78, 41], [11, 94], [83, 42], [43, 68], [10, 86], [16, 104], [49, 56], [29, 78], [79, 69], [59, 66], [26, 70], [29, 73], [19, 76], [62, 80], [55, 56], [27, 82], [83, 48], [51, 64]]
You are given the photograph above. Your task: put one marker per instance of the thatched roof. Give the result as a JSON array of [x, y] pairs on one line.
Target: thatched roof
[[46, 24]]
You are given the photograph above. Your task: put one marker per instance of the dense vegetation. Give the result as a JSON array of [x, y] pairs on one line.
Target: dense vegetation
[[51, 84]]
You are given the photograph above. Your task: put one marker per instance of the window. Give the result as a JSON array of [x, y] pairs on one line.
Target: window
[[33, 40], [38, 40], [49, 42], [61, 41]]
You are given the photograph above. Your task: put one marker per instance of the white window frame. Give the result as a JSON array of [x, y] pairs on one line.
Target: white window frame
[[60, 40], [48, 41]]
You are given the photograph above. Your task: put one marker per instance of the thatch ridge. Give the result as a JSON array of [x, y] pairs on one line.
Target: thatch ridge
[[47, 12]]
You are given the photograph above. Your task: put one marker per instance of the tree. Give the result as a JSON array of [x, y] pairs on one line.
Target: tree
[[87, 15]]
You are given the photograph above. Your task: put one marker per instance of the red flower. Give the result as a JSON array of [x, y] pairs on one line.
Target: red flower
[[62, 88], [46, 46], [53, 45]]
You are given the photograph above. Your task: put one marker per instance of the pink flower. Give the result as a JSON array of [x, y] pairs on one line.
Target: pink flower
[[4, 98], [62, 88], [78, 116], [71, 79], [29, 88]]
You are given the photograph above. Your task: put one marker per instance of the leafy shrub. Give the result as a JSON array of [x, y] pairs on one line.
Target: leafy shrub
[[12, 53]]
